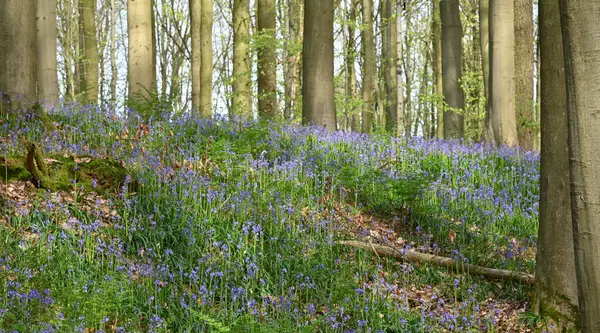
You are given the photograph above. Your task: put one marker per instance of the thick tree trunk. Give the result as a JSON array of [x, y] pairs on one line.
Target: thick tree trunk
[[242, 86], [436, 27], [318, 106], [556, 283], [484, 40], [139, 22], [46, 53], [90, 47], [18, 61], [581, 36], [368, 53], [524, 72], [389, 60], [206, 57], [452, 70], [267, 60], [502, 73]]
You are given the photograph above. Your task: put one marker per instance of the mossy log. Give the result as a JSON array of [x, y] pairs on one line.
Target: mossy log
[[60, 173], [450, 263]]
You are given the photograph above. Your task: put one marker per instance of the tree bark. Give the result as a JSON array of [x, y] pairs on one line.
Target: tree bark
[[90, 47], [581, 38], [195, 11], [502, 83], [524, 72], [139, 22], [556, 283], [18, 61], [484, 28], [436, 27], [267, 60], [399, 85], [389, 60], [368, 53], [113, 53], [46, 53], [317, 85], [351, 82], [206, 57], [242, 86], [452, 70]]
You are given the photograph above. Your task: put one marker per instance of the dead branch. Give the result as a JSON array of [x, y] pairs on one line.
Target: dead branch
[[450, 263]]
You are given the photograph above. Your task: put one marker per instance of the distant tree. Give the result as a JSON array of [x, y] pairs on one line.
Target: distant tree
[[556, 284], [581, 37], [436, 27], [242, 85], [452, 69], [399, 86], [89, 75], [18, 63], [524, 72], [389, 60], [502, 74], [196, 56], [351, 81], [142, 79], [206, 57], [368, 54], [292, 59], [267, 59], [484, 29], [46, 53], [317, 85]]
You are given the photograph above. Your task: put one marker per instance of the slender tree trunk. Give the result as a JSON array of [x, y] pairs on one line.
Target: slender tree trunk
[[368, 53], [292, 78], [399, 85], [452, 70], [318, 106], [18, 63], [139, 21], [524, 72], [436, 26], [556, 283], [267, 60], [206, 57], [195, 11], [242, 68], [113, 52], [351, 82], [502, 83], [389, 60], [46, 53], [581, 37], [90, 47], [484, 28]]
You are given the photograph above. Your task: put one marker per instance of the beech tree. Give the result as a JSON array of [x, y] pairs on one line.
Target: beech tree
[[18, 60], [452, 69], [142, 79], [581, 35], [46, 53], [267, 59], [318, 106], [242, 85], [368, 54], [556, 284]]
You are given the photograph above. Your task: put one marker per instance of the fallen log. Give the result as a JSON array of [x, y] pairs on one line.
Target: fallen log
[[450, 263]]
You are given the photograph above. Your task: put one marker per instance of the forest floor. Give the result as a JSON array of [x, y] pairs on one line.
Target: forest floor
[[227, 227]]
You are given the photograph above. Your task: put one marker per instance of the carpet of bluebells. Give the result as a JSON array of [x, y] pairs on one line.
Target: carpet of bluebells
[[232, 227]]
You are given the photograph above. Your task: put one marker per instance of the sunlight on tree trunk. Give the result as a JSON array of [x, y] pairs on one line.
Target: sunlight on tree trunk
[[46, 53], [502, 73], [90, 46], [368, 53], [206, 57], [242, 86], [139, 21], [524, 72]]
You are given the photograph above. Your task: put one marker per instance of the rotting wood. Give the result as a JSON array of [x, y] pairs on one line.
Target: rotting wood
[[458, 266]]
